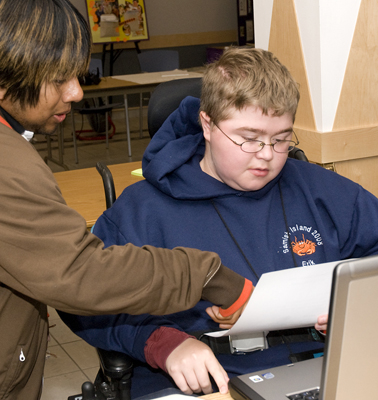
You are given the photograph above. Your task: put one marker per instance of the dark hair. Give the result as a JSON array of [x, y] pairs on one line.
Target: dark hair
[[41, 41]]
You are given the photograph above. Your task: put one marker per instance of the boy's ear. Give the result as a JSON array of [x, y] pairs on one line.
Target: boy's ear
[[206, 125]]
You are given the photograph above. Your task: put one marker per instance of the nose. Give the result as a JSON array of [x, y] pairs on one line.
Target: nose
[[266, 153], [72, 91]]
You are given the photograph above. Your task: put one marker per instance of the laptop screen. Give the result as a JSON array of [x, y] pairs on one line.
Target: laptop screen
[[351, 354]]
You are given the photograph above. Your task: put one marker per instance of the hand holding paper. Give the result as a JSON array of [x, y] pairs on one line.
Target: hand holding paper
[[227, 318], [290, 298], [321, 324], [224, 322]]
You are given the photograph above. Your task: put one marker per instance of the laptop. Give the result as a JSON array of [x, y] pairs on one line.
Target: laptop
[[349, 368]]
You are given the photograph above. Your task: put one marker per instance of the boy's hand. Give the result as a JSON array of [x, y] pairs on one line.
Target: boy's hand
[[190, 364], [321, 324]]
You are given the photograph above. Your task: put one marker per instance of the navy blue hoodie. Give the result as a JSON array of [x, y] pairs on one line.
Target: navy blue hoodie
[[328, 218]]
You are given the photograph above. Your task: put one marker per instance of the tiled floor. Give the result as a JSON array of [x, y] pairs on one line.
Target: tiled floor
[[70, 361]]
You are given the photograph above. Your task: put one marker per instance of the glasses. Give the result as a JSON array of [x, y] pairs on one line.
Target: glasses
[[254, 146]]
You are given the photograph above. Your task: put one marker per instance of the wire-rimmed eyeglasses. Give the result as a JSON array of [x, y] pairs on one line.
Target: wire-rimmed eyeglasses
[[254, 145]]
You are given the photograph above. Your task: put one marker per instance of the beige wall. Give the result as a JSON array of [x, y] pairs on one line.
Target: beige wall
[[334, 60], [184, 23]]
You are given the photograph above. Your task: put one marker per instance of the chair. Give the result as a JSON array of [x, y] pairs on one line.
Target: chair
[[107, 179], [167, 97], [155, 61], [113, 379], [298, 154]]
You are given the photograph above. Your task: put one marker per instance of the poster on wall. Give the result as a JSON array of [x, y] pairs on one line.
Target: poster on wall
[[117, 21]]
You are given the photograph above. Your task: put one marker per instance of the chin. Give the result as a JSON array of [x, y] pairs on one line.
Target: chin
[[44, 130], [255, 188], [258, 185]]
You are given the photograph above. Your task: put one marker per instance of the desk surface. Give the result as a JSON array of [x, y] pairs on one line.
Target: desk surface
[[83, 189], [147, 78], [217, 396], [134, 83], [108, 83]]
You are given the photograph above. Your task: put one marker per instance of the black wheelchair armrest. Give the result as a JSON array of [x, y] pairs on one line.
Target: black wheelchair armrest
[[113, 381], [114, 364], [298, 154], [107, 179]]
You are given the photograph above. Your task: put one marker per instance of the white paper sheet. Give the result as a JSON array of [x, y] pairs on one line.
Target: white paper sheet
[[175, 397], [291, 298]]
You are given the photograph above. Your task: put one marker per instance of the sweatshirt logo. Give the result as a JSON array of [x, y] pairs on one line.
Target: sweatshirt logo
[[303, 247], [302, 240]]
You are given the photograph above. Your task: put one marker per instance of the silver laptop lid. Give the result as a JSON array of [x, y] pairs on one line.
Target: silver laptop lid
[[350, 369]]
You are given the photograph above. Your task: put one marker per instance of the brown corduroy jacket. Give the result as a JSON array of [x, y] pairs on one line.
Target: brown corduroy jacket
[[47, 257]]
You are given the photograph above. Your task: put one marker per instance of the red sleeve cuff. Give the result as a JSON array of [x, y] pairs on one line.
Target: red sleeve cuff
[[160, 345], [246, 292]]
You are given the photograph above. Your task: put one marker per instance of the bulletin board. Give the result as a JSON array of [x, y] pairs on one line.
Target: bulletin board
[[117, 21], [245, 23]]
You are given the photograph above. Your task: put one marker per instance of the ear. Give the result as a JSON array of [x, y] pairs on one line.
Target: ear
[[2, 93], [206, 125]]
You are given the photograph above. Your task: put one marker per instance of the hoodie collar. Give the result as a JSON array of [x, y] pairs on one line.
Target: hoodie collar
[[171, 160]]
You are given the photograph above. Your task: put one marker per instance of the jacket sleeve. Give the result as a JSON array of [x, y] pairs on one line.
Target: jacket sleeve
[[123, 333], [126, 333], [47, 254], [130, 333]]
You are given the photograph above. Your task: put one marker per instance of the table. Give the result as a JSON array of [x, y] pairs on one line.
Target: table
[[217, 396], [83, 189]]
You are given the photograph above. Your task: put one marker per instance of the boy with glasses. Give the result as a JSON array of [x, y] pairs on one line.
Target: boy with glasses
[[227, 185]]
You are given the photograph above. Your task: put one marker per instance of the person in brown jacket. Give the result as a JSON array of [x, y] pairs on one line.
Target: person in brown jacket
[[47, 256]]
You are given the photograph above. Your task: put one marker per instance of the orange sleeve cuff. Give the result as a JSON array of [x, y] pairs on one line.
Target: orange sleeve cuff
[[246, 292]]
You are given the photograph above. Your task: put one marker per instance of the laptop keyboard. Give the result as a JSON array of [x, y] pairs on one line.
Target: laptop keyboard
[[307, 395]]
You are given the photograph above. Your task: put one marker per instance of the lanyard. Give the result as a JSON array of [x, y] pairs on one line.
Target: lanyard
[[236, 242], [2, 120]]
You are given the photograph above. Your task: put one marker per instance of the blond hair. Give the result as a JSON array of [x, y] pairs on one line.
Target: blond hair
[[41, 41], [244, 77]]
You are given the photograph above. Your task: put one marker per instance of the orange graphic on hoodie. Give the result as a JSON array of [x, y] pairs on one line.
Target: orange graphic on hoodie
[[304, 247]]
